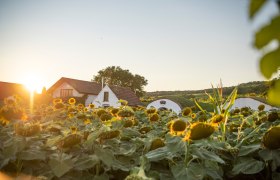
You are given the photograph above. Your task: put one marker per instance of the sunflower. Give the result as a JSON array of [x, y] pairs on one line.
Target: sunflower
[[218, 118], [193, 115], [115, 111], [59, 105], [236, 111], [178, 127], [151, 110], [27, 130], [126, 113], [123, 102], [10, 102], [271, 139], [106, 116], [57, 100], [100, 112], [91, 106], [4, 121], [70, 115], [154, 117], [71, 110], [87, 121], [128, 123], [145, 130], [261, 107], [109, 134], [199, 131], [186, 111], [69, 141], [73, 129], [273, 116], [72, 101], [80, 107], [157, 143]]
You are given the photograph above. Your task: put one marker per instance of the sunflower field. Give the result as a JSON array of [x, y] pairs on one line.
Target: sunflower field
[[66, 140]]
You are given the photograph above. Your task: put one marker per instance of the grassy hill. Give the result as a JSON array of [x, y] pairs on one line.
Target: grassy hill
[[185, 98]]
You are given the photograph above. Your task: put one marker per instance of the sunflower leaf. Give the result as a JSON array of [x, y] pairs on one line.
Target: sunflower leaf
[[255, 6]]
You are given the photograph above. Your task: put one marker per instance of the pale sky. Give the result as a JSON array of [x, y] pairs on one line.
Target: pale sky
[[174, 44]]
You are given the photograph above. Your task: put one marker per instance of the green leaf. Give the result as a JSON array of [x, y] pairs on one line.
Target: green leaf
[[268, 33], [59, 168], [230, 100], [270, 63], [274, 94], [174, 143], [207, 155], [32, 155], [199, 107], [86, 162], [245, 150], [105, 155], [192, 172], [13, 146], [158, 154], [265, 154], [255, 6], [247, 165]]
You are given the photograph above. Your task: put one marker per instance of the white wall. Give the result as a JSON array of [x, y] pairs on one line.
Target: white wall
[[168, 105], [56, 92], [89, 99], [112, 100], [249, 102]]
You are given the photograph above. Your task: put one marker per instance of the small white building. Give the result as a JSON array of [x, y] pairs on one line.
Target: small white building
[[251, 103], [93, 92], [110, 95], [165, 104]]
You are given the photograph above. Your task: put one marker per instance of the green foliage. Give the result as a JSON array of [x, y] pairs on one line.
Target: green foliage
[[108, 150], [269, 63], [115, 75]]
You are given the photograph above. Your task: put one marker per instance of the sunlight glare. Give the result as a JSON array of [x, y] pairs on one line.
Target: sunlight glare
[[32, 83]]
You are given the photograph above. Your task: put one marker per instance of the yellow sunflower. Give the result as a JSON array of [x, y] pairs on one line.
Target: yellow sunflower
[[186, 111], [72, 101], [199, 131], [178, 127], [73, 129]]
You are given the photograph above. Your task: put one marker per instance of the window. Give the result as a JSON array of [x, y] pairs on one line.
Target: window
[[106, 105], [66, 92], [106, 97], [162, 102]]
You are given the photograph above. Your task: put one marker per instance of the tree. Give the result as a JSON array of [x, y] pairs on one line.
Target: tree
[[115, 75], [269, 62]]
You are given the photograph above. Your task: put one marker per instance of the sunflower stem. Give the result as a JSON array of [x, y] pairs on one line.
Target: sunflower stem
[[224, 127], [187, 153]]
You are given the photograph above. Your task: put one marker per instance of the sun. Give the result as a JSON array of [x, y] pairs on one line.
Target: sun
[[33, 83]]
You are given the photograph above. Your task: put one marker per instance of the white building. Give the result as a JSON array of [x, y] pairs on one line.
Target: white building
[[165, 104], [252, 103], [92, 92]]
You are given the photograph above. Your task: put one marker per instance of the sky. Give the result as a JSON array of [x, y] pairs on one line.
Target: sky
[[174, 44]]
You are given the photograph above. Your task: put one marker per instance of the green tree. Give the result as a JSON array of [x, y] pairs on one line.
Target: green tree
[[269, 62], [115, 75]]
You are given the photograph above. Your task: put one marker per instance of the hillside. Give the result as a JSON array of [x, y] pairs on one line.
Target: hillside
[[184, 98]]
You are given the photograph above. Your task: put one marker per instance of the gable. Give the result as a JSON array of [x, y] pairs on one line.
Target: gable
[[112, 98], [83, 87], [57, 91]]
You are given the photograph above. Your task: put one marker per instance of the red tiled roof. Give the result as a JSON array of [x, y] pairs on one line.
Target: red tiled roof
[[127, 94], [84, 87], [9, 89]]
